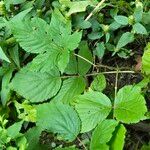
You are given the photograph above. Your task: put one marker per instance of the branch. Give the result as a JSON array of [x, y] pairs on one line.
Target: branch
[[96, 8], [85, 59], [116, 84], [95, 65], [82, 144], [97, 73]]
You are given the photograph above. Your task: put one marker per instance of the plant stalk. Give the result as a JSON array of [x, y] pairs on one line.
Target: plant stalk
[[95, 9]]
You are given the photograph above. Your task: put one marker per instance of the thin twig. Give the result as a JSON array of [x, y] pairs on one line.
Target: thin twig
[[82, 144], [94, 65], [105, 66], [116, 87], [97, 73], [85, 59], [95, 9], [110, 72], [116, 83]]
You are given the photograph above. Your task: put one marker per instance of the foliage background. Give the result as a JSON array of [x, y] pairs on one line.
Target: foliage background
[[74, 74]]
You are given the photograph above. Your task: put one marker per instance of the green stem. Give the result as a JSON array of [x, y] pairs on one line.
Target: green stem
[[94, 65], [97, 73], [116, 83], [82, 144], [95, 10], [85, 59]]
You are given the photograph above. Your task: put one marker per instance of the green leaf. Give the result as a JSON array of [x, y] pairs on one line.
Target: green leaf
[[143, 83], [123, 20], [5, 91], [95, 35], [107, 36], [146, 18], [110, 47], [2, 22], [36, 87], [83, 65], [39, 3], [1, 71], [127, 104], [102, 135], [32, 35], [92, 107], [26, 112], [33, 137], [14, 53], [80, 22], [125, 39], [61, 32], [100, 50], [17, 1], [146, 60], [19, 17], [114, 26], [61, 119], [72, 65], [139, 29], [72, 41], [63, 60], [66, 148], [59, 24], [13, 2], [56, 40], [11, 148], [118, 139], [44, 62], [67, 41], [70, 88], [3, 56], [75, 7], [145, 147], [14, 130], [21, 142], [99, 83], [138, 13]]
